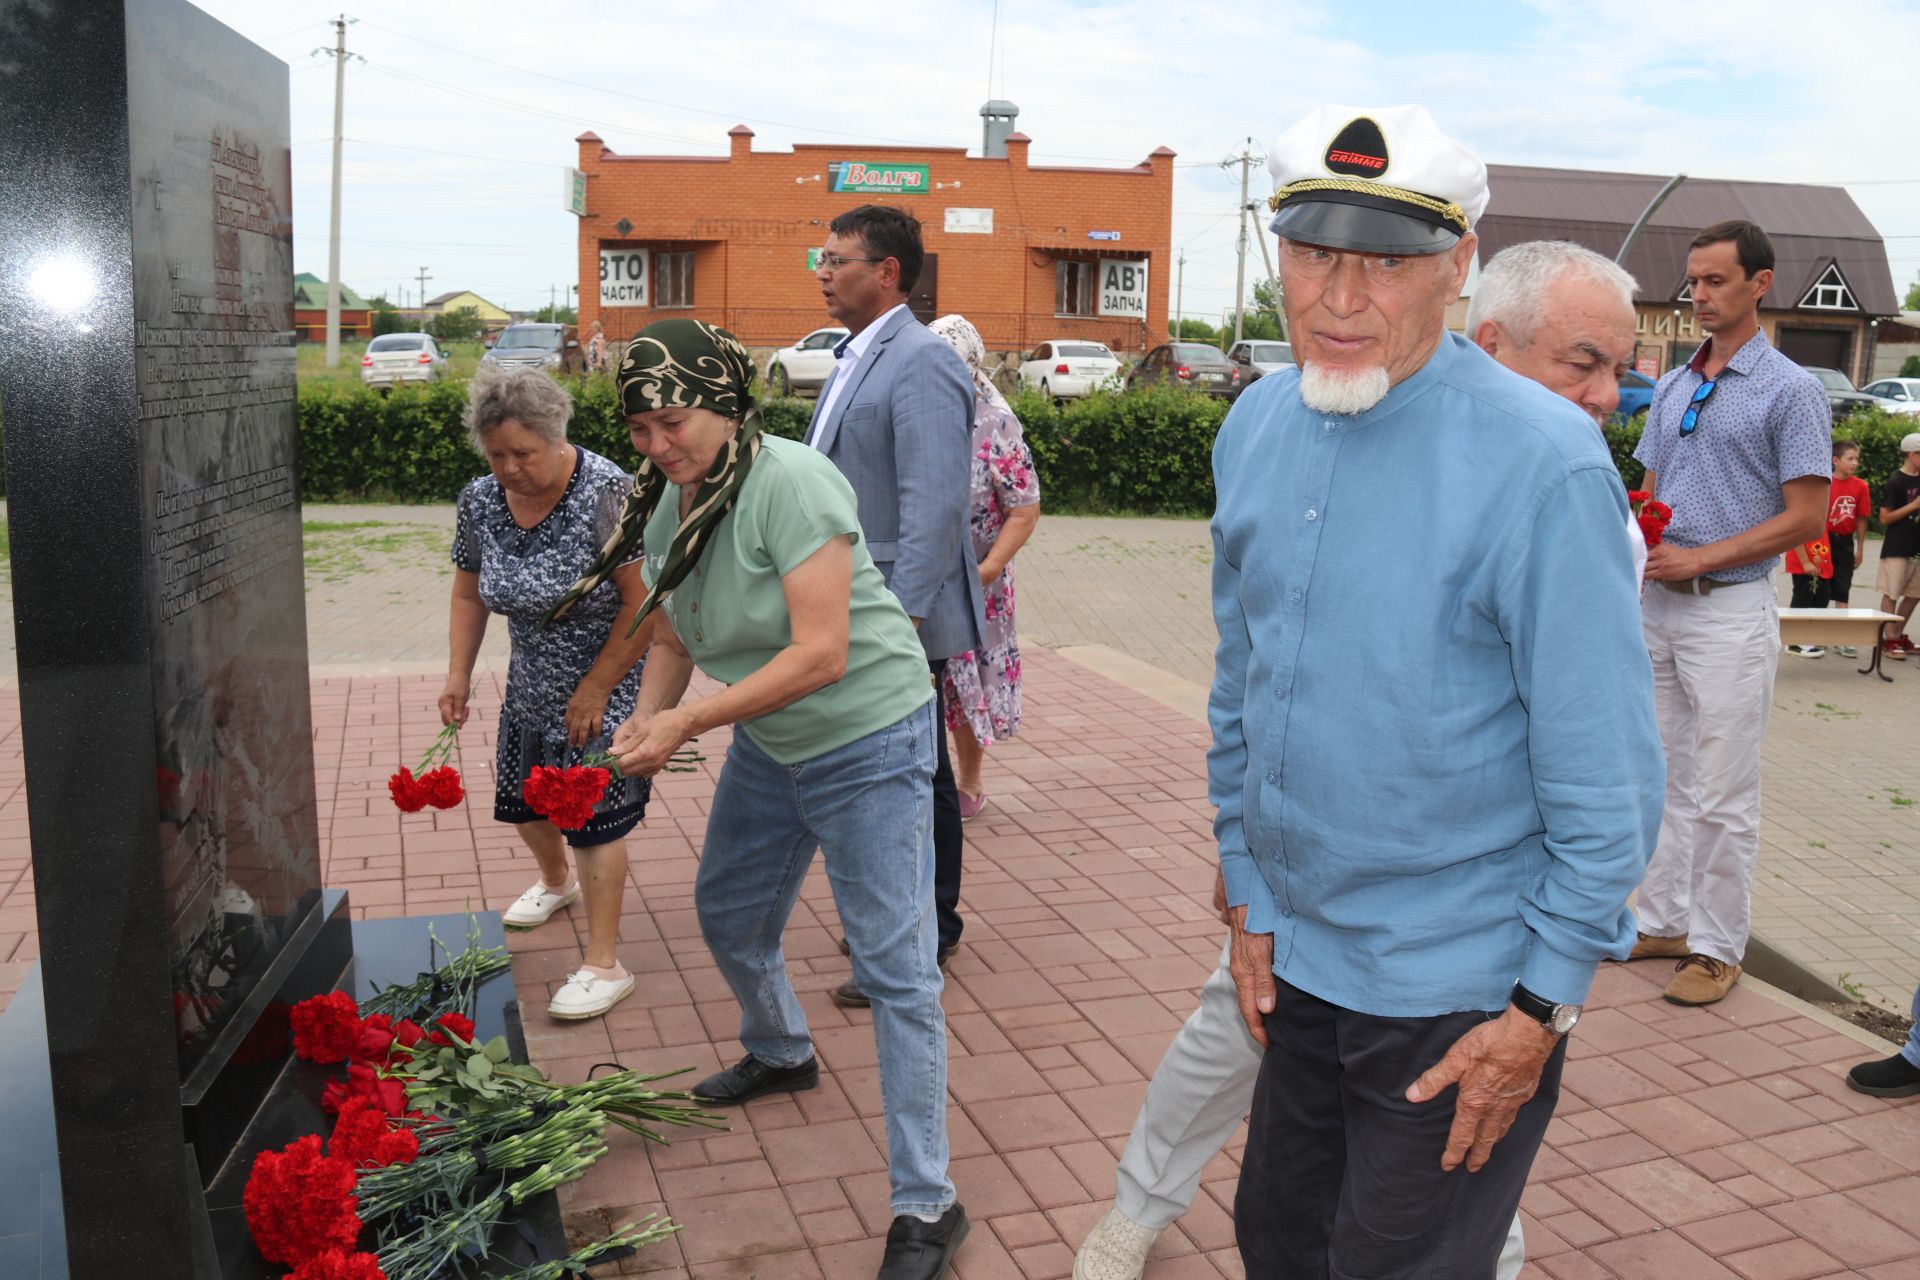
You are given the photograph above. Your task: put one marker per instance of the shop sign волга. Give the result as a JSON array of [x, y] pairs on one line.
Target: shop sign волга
[[1123, 288], [883, 179]]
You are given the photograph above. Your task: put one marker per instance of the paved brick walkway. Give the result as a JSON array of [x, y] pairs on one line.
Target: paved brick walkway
[[1699, 1143]]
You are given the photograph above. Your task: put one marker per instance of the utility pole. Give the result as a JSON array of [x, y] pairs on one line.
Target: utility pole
[[423, 277], [552, 313], [1273, 280], [339, 52], [1245, 161], [1179, 296]]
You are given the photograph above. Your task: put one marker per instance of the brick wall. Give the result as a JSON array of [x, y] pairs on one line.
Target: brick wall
[[750, 217]]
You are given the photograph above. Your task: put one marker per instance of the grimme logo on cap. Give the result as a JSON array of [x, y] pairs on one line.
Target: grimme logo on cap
[[1358, 151]]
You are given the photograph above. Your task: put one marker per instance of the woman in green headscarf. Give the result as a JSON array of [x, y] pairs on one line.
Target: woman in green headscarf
[[755, 557]]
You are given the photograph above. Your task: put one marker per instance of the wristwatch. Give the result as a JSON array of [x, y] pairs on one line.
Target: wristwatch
[[1557, 1018]]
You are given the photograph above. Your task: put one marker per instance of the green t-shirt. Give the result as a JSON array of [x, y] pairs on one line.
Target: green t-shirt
[[731, 612]]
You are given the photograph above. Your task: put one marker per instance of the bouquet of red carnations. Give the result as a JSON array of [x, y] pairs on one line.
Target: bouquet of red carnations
[[1650, 514], [437, 782], [567, 797]]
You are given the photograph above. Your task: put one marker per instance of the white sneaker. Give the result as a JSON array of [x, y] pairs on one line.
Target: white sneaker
[[1806, 651], [537, 904], [1116, 1249], [587, 995]]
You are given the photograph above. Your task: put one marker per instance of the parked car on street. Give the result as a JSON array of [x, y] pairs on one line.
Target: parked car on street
[[1636, 394], [1257, 357], [553, 346], [1901, 394], [1069, 369], [804, 366], [1842, 398], [394, 358], [1190, 364]]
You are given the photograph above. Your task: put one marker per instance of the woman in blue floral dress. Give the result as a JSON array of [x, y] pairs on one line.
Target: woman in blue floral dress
[[982, 689], [525, 533]]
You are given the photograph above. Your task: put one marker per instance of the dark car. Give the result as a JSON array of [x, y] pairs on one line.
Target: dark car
[[551, 346], [1636, 393], [1189, 364], [1842, 397]]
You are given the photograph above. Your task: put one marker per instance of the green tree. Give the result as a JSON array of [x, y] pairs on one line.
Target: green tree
[[1913, 297], [1191, 330], [1910, 367], [457, 326], [556, 315], [385, 318]]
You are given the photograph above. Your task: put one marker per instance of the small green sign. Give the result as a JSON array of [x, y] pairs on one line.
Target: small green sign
[[813, 259], [884, 179]]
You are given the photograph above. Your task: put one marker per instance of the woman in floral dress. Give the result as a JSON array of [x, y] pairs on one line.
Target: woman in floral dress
[[982, 689], [525, 533]]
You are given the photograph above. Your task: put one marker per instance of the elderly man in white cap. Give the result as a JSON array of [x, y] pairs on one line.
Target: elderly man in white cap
[[1434, 752]]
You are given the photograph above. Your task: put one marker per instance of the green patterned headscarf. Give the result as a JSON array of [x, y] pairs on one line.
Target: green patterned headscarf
[[680, 364]]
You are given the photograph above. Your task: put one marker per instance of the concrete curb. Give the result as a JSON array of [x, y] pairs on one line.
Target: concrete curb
[[1775, 974]]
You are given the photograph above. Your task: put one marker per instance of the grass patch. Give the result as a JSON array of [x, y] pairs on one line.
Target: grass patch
[[338, 550], [339, 526]]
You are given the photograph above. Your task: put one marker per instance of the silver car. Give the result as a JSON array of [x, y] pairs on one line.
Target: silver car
[[393, 358], [804, 366], [1258, 357], [1069, 369]]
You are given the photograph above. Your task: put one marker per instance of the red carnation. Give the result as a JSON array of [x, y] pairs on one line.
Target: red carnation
[[365, 1137], [408, 795], [1651, 516], [326, 1028], [457, 1023], [338, 1264], [442, 787], [565, 797], [299, 1203]]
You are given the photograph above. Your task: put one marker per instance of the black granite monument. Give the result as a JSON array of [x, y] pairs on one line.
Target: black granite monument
[[147, 370]]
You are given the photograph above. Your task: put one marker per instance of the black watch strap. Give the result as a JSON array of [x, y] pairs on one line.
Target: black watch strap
[[1536, 1007]]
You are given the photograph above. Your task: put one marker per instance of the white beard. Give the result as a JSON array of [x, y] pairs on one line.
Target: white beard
[[1325, 391]]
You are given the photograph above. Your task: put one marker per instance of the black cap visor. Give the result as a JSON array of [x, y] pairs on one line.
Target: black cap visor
[[1362, 223]]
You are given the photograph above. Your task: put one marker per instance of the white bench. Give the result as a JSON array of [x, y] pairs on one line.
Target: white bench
[[1857, 627]]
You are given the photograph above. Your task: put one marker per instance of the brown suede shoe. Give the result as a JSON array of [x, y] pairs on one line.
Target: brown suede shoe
[[1701, 980], [1648, 947]]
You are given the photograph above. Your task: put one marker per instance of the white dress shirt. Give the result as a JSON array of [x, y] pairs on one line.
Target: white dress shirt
[[846, 358]]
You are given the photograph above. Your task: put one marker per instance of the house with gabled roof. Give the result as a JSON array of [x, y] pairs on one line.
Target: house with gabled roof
[[310, 311]]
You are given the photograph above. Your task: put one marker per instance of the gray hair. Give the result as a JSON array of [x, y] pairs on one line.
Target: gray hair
[[1513, 285], [525, 395]]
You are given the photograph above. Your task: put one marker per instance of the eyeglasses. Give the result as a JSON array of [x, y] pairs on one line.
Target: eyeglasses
[[1691, 418], [832, 262]]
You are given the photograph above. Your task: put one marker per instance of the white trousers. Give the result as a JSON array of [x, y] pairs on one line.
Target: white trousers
[[1714, 658], [1200, 1093]]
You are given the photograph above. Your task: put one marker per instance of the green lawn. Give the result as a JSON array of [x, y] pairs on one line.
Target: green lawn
[[310, 361]]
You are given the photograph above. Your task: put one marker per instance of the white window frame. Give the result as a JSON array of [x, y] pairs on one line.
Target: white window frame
[[1830, 292], [1088, 272], [673, 278]]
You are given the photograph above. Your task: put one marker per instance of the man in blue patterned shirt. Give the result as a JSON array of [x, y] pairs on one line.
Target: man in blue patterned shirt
[[1739, 444], [1434, 753]]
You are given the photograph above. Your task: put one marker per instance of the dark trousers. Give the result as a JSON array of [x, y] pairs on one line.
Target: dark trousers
[[1341, 1177], [947, 832], [1840, 586], [1809, 592]]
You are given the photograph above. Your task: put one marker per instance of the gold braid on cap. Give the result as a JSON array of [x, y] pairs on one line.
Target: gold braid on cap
[[1447, 209]]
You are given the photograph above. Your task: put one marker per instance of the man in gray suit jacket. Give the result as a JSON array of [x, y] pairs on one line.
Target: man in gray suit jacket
[[896, 416]]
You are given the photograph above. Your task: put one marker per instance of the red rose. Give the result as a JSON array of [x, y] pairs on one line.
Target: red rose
[[299, 1203], [376, 1040], [326, 1028], [408, 795], [338, 1264], [458, 1023], [442, 787], [408, 1033]]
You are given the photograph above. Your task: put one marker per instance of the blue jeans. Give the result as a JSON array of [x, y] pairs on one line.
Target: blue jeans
[[869, 807], [1912, 1052]]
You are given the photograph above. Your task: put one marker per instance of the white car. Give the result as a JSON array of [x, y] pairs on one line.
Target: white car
[[1069, 369], [402, 357], [804, 366], [1902, 395]]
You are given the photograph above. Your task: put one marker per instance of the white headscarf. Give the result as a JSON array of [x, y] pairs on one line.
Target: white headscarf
[[965, 339]]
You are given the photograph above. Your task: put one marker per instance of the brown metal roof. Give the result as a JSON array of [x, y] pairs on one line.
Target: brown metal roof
[[1810, 228]]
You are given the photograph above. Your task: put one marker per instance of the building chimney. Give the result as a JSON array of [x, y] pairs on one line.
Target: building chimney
[[996, 119]]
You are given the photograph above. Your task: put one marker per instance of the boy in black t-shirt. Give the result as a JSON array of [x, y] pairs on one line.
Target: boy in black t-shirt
[[1899, 579]]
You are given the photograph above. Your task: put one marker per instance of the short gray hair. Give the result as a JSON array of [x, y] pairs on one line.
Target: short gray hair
[[1513, 285], [525, 395]]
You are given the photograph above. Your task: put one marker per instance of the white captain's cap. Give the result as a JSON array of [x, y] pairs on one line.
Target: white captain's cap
[[1376, 180]]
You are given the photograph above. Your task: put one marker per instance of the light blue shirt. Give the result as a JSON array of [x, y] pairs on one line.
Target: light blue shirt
[[1434, 750]]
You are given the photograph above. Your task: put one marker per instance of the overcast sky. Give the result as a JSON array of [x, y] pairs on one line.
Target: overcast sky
[[461, 119]]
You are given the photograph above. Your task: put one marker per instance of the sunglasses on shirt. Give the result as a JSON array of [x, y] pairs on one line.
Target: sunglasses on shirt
[[1691, 418]]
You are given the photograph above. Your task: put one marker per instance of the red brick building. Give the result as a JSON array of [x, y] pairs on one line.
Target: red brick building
[[1026, 252]]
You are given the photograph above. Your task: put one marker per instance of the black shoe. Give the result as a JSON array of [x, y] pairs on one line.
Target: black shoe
[[750, 1078], [848, 994], [919, 1250], [1893, 1077]]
